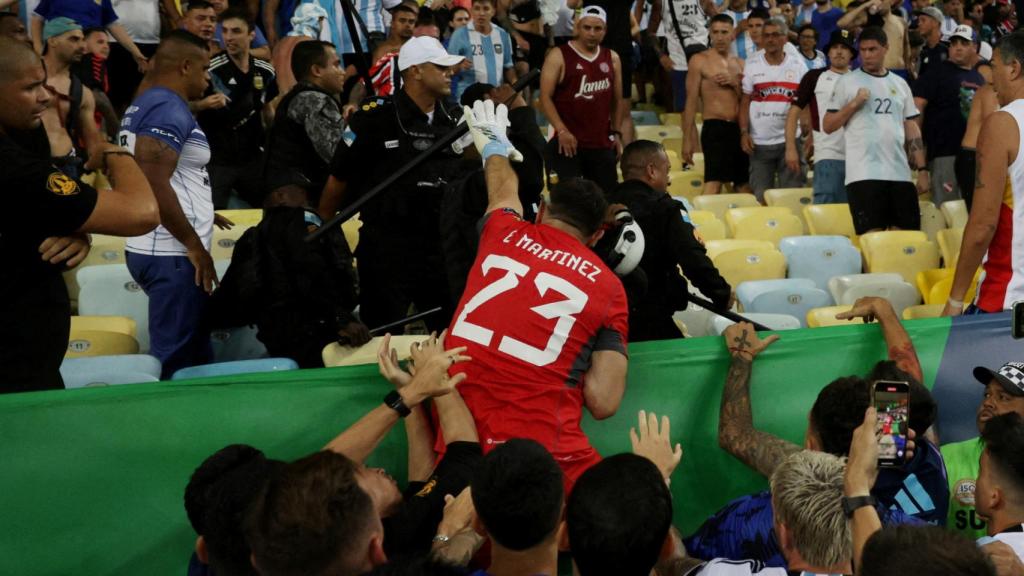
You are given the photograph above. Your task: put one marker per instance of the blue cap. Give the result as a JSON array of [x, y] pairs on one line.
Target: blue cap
[[58, 26]]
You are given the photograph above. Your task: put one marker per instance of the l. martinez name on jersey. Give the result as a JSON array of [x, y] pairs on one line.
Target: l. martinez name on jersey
[[589, 89]]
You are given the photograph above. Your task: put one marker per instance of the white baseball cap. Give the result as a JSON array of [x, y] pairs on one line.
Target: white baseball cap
[[963, 31], [593, 12], [423, 49]]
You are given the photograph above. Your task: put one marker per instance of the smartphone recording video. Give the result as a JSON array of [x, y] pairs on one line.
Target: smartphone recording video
[[892, 402]]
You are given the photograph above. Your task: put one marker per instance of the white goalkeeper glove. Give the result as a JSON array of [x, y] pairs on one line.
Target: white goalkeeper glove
[[489, 127]]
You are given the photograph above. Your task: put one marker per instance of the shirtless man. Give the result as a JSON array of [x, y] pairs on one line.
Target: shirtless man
[[65, 45], [714, 77], [983, 105]]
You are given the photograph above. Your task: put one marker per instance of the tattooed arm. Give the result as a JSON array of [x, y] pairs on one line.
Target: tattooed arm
[[901, 348], [736, 433], [915, 145]]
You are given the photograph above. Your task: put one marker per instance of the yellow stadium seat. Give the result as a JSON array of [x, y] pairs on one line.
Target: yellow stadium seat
[[223, 244], [829, 220], [906, 259], [675, 164], [119, 324], [949, 245], [819, 317], [673, 145], [687, 184], [709, 227], [105, 250], [244, 217], [335, 354], [754, 263], [716, 247], [671, 118], [658, 133], [926, 279], [955, 212], [793, 198], [763, 223], [889, 240], [720, 203], [351, 229], [922, 311], [932, 221], [99, 343], [939, 293]]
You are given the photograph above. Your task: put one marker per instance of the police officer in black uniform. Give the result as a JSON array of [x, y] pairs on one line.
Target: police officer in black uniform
[[399, 255], [671, 242]]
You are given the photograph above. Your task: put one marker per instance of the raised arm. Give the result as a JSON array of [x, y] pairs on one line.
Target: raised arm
[[901, 348], [736, 433], [859, 479], [856, 17]]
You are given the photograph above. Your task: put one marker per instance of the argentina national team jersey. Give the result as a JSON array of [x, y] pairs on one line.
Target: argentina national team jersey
[[490, 54], [161, 114], [371, 13]]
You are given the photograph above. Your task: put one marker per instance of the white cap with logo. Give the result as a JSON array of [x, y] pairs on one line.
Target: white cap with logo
[[593, 12], [423, 49], [963, 31]]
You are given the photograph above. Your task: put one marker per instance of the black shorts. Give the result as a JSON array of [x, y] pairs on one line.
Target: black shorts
[[883, 204], [538, 49], [724, 158], [626, 60]]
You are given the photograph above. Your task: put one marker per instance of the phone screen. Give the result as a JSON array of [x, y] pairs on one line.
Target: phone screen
[[892, 402]]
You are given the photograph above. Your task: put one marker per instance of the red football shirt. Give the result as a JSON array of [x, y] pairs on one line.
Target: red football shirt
[[537, 304]]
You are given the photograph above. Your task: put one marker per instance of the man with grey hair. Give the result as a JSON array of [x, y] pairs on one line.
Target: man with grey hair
[[807, 491], [770, 81]]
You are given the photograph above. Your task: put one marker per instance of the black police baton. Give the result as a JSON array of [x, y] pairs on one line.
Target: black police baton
[[710, 307], [441, 143], [407, 320]]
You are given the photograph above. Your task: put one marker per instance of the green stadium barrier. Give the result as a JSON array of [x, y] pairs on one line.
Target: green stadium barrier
[[93, 478]]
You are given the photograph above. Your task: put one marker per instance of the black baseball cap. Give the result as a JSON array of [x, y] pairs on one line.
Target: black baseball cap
[[1010, 377], [843, 38]]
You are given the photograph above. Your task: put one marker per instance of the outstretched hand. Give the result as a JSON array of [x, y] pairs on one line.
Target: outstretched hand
[[655, 444], [868, 308], [489, 126], [742, 341], [387, 363]]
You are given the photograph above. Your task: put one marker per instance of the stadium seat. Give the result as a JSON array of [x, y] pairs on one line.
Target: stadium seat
[[795, 301], [716, 247], [99, 343], [709, 227], [793, 198], [773, 321], [753, 263], [906, 259], [763, 223], [949, 241], [109, 370], [820, 258], [932, 221], [829, 220], [645, 118], [246, 217], [748, 291], [105, 250], [120, 324], [720, 203], [955, 212], [674, 146], [658, 133], [237, 367], [901, 295], [335, 354], [838, 285], [926, 279], [688, 184], [889, 241], [821, 317], [241, 343], [351, 229], [671, 118], [695, 320], [923, 311], [109, 290], [939, 293], [224, 241]]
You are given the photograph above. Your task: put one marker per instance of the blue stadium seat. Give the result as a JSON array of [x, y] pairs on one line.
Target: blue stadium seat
[[819, 258], [795, 301], [109, 290], [645, 118], [773, 321], [748, 291], [109, 370], [240, 343], [237, 367]]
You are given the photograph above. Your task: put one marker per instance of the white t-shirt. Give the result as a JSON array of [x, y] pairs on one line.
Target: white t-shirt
[[675, 49], [723, 567], [141, 18], [827, 146], [874, 135], [564, 26], [689, 15], [771, 89], [1014, 540]]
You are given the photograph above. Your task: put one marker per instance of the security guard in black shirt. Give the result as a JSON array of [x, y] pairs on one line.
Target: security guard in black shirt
[[399, 253], [670, 243]]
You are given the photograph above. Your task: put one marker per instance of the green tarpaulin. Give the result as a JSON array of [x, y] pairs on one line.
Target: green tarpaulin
[[93, 479]]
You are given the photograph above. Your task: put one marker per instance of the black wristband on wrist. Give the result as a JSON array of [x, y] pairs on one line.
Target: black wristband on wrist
[[394, 401]]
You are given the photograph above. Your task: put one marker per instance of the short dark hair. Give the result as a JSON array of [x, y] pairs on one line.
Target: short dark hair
[[1011, 47], [578, 202], [457, 8], [312, 515], [217, 499], [874, 33], [722, 18], [838, 411], [199, 5], [237, 13], [307, 54], [182, 36], [491, 2], [518, 494], [1004, 442], [619, 514], [637, 155], [808, 27], [404, 7], [905, 549], [88, 31], [760, 13], [923, 408]]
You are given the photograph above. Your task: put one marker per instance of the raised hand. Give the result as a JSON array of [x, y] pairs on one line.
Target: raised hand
[[655, 444]]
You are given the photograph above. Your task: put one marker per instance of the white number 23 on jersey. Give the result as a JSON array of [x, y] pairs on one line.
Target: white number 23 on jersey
[[563, 310]]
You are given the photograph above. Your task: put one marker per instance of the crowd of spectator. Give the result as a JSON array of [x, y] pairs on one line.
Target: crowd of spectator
[[305, 109]]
